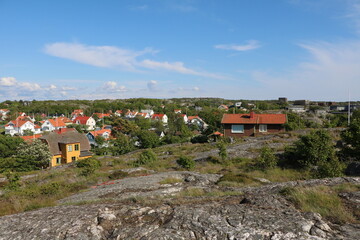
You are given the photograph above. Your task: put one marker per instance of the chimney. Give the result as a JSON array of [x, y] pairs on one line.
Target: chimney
[[252, 114]]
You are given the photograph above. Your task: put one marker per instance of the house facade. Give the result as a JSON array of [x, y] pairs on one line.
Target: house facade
[[20, 126], [67, 147], [241, 125], [50, 125], [160, 117], [88, 121]]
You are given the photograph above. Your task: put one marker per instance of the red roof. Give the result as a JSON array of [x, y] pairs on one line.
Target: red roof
[[100, 132], [158, 116], [65, 119], [57, 122], [102, 115], [18, 123], [193, 117], [30, 138], [81, 119], [63, 130], [256, 119]]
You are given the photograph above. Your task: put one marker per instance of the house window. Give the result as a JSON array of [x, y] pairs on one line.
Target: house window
[[69, 148], [73, 158], [76, 147], [237, 128], [58, 160], [262, 128]]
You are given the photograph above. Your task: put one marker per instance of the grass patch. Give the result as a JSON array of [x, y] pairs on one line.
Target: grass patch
[[200, 192], [237, 180], [170, 180], [321, 199], [281, 175]]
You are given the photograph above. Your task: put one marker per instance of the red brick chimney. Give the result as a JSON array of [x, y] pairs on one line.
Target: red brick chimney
[[252, 114]]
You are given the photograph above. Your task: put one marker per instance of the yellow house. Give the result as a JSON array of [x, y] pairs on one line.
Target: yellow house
[[67, 147]]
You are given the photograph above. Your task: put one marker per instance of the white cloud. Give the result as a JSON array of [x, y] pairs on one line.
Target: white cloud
[[112, 86], [152, 85], [332, 70], [178, 67], [252, 44], [7, 81], [114, 57], [52, 86]]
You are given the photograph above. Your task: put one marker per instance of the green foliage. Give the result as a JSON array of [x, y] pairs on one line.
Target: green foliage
[[146, 157], [50, 188], [351, 138], [88, 166], [13, 179], [28, 132], [9, 145], [99, 140], [267, 158], [316, 150], [143, 123], [123, 126], [222, 150], [121, 145], [148, 139], [186, 162], [311, 149], [118, 174], [294, 122]]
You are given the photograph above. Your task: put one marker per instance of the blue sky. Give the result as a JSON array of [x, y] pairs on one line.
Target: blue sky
[[235, 49]]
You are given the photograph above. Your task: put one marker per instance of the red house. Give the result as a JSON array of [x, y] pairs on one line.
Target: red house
[[241, 125]]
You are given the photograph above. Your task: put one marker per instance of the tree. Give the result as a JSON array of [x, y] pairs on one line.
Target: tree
[[148, 139], [351, 138], [222, 150], [267, 158], [9, 145], [312, 149], [186, 162], [121, 145], [35, 155], [294, 122], [88, 166], [99, 140], [316, 150], [146, 157]]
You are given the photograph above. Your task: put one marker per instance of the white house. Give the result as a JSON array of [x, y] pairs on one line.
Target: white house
[[196, 120], [88, 121], [161, 117], [52, 124], [148, 111], [20, 126]]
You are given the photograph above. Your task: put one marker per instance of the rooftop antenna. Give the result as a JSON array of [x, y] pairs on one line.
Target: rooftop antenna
[[349, 110]]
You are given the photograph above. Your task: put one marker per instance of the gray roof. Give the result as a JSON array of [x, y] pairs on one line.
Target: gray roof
[[54, 139]]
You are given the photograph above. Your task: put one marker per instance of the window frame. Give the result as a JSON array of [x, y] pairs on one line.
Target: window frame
[[58, 160], [263, 125], [77, 147], [69, 148], [73, 158], [237, 131]]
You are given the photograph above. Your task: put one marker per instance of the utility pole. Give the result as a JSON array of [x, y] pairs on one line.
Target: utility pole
[[349, 110]]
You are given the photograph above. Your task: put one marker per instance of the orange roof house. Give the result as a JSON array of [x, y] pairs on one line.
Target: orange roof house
[[239, 125]]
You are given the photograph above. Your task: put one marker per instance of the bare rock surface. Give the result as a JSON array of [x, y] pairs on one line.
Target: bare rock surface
[[257, 213]]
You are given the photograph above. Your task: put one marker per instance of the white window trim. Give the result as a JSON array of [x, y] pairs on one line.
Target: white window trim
[[235, 131], [262, 130]]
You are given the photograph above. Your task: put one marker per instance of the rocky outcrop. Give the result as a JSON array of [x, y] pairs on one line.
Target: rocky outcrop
[[256, 213]]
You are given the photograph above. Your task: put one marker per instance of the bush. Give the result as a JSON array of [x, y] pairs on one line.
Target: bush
[[186, 162], [118, 174], [146, 157], [267, 158], [13, 179], [50, 189], [88, 166], [222, 151]]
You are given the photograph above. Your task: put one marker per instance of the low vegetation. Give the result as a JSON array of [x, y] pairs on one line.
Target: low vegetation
[[325, 201]]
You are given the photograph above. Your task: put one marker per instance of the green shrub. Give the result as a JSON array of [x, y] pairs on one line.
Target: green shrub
[[267, 158], [222, 150], [118, 174], [50, 189], [146, 157], [186, 162], [88, 166], [13, 179]]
